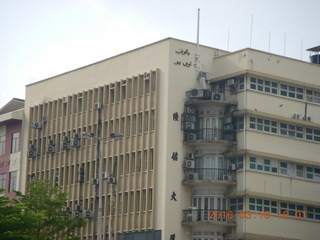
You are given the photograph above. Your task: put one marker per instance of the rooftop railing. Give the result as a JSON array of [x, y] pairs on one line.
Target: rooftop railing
[[217, 174]]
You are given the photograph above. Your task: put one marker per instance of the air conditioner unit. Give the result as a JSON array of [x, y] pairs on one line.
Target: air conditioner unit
[[98, 105], [192, 214], [230, 82], [75, 143], [76, 136], [68, 209], [95, 181], [189, 125], [66, 217], [297, 116], [189, 164], [111, 180], [216, 96], [78, 208], [31, 153], [191, 136], [50, 149], [76, 215], [192, 176], [65, 145], [51, 142], [36, 125], [190, 155], [87, 214], [104, 175], [196, 93], [191, 110], [66, 139], [32, 147], [228, 127], [227, 120], [233, 166], [226, 178], [204, 75], [309, 119]]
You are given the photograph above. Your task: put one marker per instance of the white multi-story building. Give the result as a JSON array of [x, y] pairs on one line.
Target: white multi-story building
[[228, 149]]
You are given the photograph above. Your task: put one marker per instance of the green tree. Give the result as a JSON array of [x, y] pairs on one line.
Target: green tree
[[40, 213]]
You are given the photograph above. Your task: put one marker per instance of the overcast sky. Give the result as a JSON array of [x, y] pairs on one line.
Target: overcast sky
[[43, 38]]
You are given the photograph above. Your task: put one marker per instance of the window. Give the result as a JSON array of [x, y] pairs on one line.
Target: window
[[151, 159], [239, 123], [152, 120], [2, 145], [313, 213], [144, 199], [138, 201], [284, 168], [236, 204], [290, 208], [313, 134], [133, 162], [15, 142], [238, 161], [299, 171], [263, 125], [13, 181], [291, 130], [313, 96], [3, 182], [145, 157], [256, 204], [150, 199], [313, 173], [265, 165], [291, 91], [264, 85]]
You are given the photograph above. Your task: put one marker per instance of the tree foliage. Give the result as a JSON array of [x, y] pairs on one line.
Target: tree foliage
[[37, 215]]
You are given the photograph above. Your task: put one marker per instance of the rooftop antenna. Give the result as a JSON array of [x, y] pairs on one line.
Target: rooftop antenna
[[197, 57]]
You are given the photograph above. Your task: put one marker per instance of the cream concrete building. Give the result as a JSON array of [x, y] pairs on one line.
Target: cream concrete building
[[224, 149]]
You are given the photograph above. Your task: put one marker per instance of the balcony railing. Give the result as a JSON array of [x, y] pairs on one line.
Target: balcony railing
[[213, 134], [211, 95], [216, 174], [208, 215]]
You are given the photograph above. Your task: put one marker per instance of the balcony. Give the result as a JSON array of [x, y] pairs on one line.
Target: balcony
[[198, 95], [224, 176], [209, 134], [193, 216]]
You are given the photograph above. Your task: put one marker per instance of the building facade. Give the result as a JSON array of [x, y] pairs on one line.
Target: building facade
[[11, 117], [224, 149]]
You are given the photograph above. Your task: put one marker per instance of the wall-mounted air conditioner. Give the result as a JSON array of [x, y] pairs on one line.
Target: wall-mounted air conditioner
[[196, 93], [87, 214], [190, 155], [50, 149], [111, 180], [189, 164], [76, 136], [65, 145], [31, 153], [32, 147], [78, 208], [204, 75], [51, 142], [68, 209], [191, 136], [189, 125], [98, 105], [81, 178], [233, 166], [76, 215], [36, 125], [104, 175], [226, 178], [216, 96], [192, 214], [66, 139], [230, 82], [75, 143], [297, 116], [190, 110], [192, 176]]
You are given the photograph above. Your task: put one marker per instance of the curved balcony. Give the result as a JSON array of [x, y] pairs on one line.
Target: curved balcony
[[193, 216], [210, 175], [210, 135], [202, 96]]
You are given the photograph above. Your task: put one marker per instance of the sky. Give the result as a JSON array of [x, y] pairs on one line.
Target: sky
[[43, 38]]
